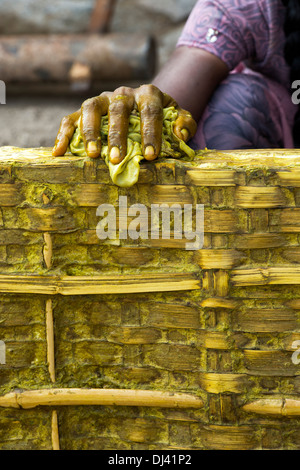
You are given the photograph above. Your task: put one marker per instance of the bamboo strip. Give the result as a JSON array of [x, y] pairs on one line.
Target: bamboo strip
[[9, 400], [266, 406], [289, 178], [219, 302], [258, 240], [54, 434], [259, 196], [291, 408], [265, 276], [221, 283], [47, 251], [223, 382], [106, 397], [51, 368], [222, 177], [81, 285], [171, 194], [219, 258], [274, 406], [10, 194], [275, 158], [295, 304], [50, 340]]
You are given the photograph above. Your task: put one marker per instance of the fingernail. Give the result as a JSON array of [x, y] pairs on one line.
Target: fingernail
[[114, 155], [149, 151], [92, 147], [185, 134]]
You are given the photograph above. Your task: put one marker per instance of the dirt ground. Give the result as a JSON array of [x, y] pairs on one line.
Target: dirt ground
[[33, 121]]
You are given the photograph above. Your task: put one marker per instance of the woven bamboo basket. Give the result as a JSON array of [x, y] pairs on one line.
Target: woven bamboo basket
[[142, 344]]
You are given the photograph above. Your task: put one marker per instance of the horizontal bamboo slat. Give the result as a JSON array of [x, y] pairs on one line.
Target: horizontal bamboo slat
[[266, 275], [83, 285], [274, 406], [104, 397], [200, 177], [223, 382]]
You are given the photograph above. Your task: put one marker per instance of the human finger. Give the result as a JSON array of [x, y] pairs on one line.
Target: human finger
[[185, 126], [149, 100], [66, 130], [120, 107], [92, 111]]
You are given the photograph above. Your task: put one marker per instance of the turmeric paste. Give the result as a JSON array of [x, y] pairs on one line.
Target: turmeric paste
[[126, 173]]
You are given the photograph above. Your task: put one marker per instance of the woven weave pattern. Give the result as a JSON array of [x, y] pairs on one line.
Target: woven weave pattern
[[217, 326]]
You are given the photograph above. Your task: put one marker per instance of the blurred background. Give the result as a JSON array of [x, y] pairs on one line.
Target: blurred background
[[54, 54]]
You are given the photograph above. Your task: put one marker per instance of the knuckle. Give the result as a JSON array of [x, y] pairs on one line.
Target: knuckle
[[123, 90], [67, 121], [91, 104], [149, 89]]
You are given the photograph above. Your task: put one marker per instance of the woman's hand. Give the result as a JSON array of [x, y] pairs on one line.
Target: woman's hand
[[149, 101]]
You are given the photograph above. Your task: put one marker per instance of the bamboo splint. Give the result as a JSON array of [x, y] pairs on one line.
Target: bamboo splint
[[104, 397], [83, 285], [275, 407]]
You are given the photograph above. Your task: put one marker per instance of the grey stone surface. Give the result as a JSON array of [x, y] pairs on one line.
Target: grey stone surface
[[33, 121], [175, 10]]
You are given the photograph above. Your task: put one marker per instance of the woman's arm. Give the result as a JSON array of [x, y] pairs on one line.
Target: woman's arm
[[190, 76]]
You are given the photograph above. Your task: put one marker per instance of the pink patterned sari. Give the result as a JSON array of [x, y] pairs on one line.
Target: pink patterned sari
[[252, 107]]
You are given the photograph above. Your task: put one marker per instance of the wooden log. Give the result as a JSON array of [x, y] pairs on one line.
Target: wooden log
[[107, 397], [117, 57], [101, 16], [62, 16]]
